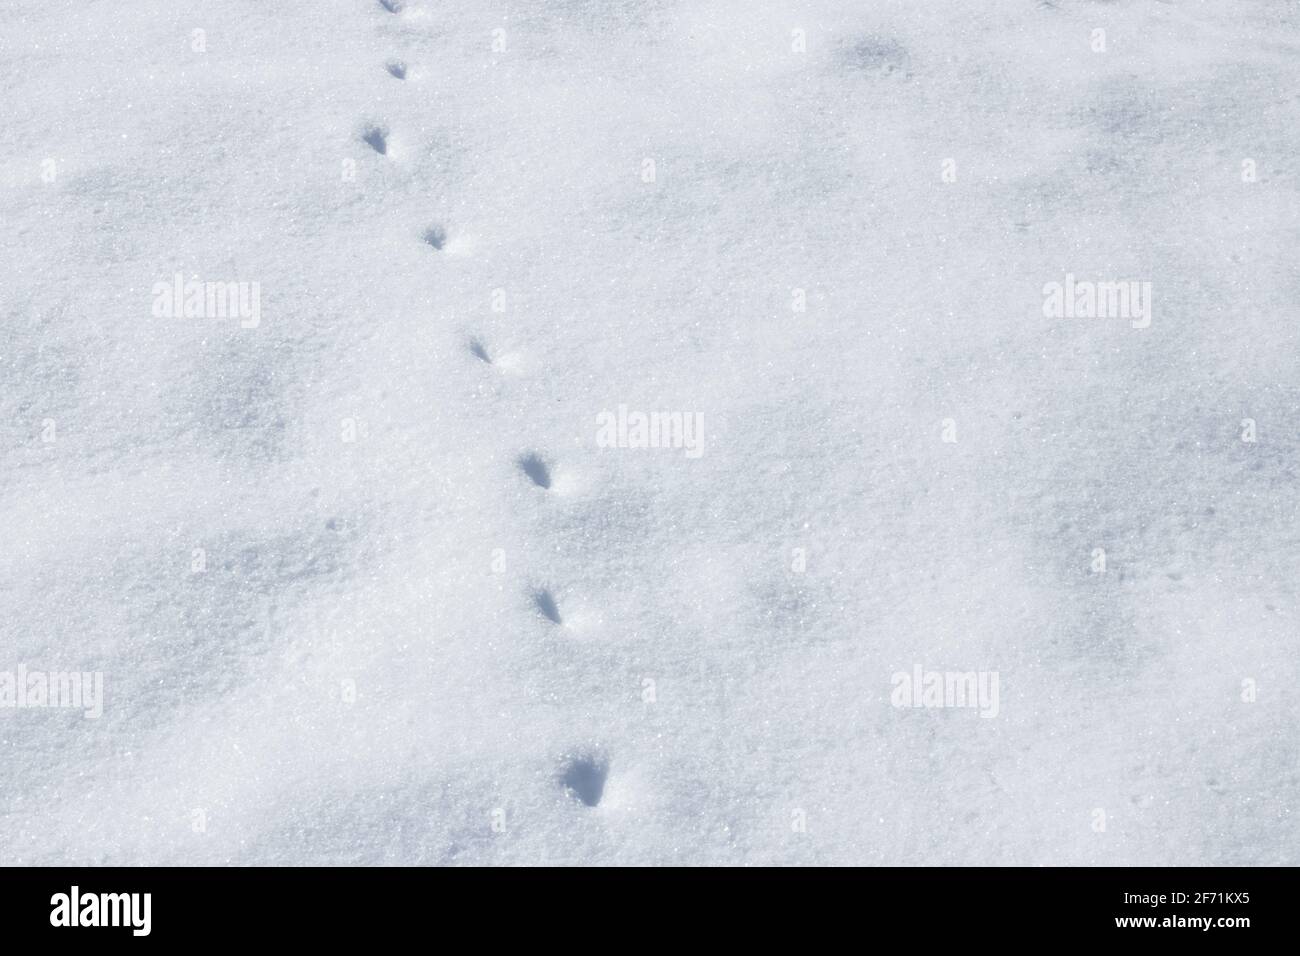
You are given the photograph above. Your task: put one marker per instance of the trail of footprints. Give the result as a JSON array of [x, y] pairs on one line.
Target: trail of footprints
[[582, 774], [377, 135]]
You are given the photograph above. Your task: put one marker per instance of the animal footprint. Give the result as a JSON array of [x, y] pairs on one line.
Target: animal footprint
[[544, 601], [376, 137], [396, 68], [536, 470], [435, 237], [392, 6], [584, 777], [509, 362]]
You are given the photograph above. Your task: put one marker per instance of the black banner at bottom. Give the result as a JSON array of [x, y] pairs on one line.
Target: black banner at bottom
[[356, 905]]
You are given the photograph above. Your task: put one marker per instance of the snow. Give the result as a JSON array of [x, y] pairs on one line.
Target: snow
[[362, 583]]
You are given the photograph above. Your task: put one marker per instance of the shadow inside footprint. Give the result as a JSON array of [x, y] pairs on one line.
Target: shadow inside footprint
[[545, 603], [435, 236], [396, 68], [392, 6], [479, 352], [376, 138], [536, 469], [585, 778]]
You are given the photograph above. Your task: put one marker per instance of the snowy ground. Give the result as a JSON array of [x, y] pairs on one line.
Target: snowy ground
[[363, 584]]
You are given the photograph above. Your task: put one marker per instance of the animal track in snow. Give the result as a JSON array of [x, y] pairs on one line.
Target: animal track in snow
[[536, 469], [544, 601], [376, 137], [392, 6], [435, 237], [511, 363], [883, 56], [396, 68], [584, 777]]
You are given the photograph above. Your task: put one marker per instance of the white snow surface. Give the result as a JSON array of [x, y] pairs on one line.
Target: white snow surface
[[403, 649]]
